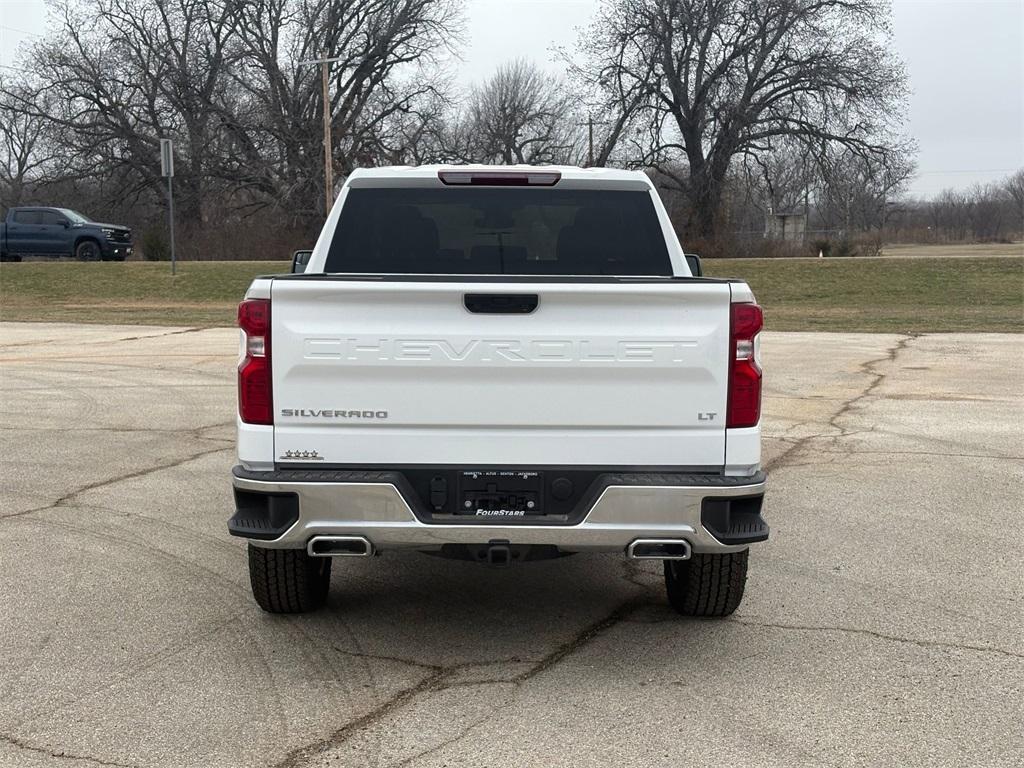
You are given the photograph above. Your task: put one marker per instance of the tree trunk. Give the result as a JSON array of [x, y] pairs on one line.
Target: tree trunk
[[188, 197], [705, 198], [707, 181]]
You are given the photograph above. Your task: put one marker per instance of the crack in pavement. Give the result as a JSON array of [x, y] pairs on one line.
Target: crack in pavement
[[68, 497], [850, 631], [618, 616], [137, 669], [178, 332], [440, 679], [459, 736], [191, 431], [16, 742], [44, 342], [868, 368], [860, 452], [890, 430], [430, 667], [217, 383], [878, 636], [432, 682]]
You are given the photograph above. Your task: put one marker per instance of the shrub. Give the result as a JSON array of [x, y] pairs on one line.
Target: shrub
[[154, 245], [844, 249]]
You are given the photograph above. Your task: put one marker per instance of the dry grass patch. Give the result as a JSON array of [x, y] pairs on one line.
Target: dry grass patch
[[891, 295]]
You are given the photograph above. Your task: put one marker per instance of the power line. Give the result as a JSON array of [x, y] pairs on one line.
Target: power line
[[21, 31], [970, 170]]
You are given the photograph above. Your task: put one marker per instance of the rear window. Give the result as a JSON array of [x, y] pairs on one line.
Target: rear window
[[492, 231], [27, 217]]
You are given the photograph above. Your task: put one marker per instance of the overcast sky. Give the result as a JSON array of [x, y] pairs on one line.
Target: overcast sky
[[965, 59]]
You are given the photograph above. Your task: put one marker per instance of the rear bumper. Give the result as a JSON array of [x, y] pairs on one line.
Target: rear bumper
[[285, 509]]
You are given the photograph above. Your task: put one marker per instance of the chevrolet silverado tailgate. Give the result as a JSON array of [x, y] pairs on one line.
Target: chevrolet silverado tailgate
[[518, 372]]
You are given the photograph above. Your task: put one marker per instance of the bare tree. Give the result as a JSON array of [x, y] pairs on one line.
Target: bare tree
[[26, 147], [779, 180], [949, 214], [223, 79], [979, 213], [1014, 186], [987, 212], [382, 94], [708, 80], [118, 75], [856, 190], [519, 115]]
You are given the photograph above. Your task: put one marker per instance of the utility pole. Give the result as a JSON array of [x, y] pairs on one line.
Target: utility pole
[[325, 63], [328, 165], [590, 141]]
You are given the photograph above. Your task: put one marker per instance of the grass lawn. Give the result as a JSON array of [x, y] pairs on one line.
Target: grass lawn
[[898, 295], [961, 250], [892, 295], [203, 293]]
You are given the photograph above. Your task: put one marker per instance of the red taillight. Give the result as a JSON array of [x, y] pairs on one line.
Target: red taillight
[[744, 409], [255, 391], [500, 178]]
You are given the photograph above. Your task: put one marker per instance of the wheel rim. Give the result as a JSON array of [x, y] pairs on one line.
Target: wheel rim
[[88, 251]]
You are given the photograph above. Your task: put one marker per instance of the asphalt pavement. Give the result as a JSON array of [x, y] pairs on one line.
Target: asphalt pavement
[[882, 624]]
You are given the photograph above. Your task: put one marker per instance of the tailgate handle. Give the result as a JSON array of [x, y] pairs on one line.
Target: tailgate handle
[[501, 303]]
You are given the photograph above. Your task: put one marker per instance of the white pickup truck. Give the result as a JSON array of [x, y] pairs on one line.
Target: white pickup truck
[[501, 364]]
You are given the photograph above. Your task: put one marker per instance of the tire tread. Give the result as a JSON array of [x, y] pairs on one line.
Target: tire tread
[[707, 584], [288, 580]]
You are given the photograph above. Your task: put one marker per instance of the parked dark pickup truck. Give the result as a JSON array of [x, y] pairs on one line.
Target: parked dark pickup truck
[[61, 232]]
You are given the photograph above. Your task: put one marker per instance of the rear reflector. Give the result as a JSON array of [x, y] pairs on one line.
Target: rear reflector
[[255, 390], [500, 178], [744, 407]]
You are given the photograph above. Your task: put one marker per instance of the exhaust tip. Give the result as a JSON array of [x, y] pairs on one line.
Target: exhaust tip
[[659, 549], [339, 546]]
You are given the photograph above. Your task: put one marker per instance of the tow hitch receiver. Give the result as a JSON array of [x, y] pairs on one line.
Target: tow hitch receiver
[[499, 555]]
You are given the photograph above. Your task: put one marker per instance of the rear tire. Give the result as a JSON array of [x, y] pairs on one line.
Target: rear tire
[[708, 585], [288, 580]]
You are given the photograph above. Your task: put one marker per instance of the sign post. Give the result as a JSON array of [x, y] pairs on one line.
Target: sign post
[[167, 169]]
